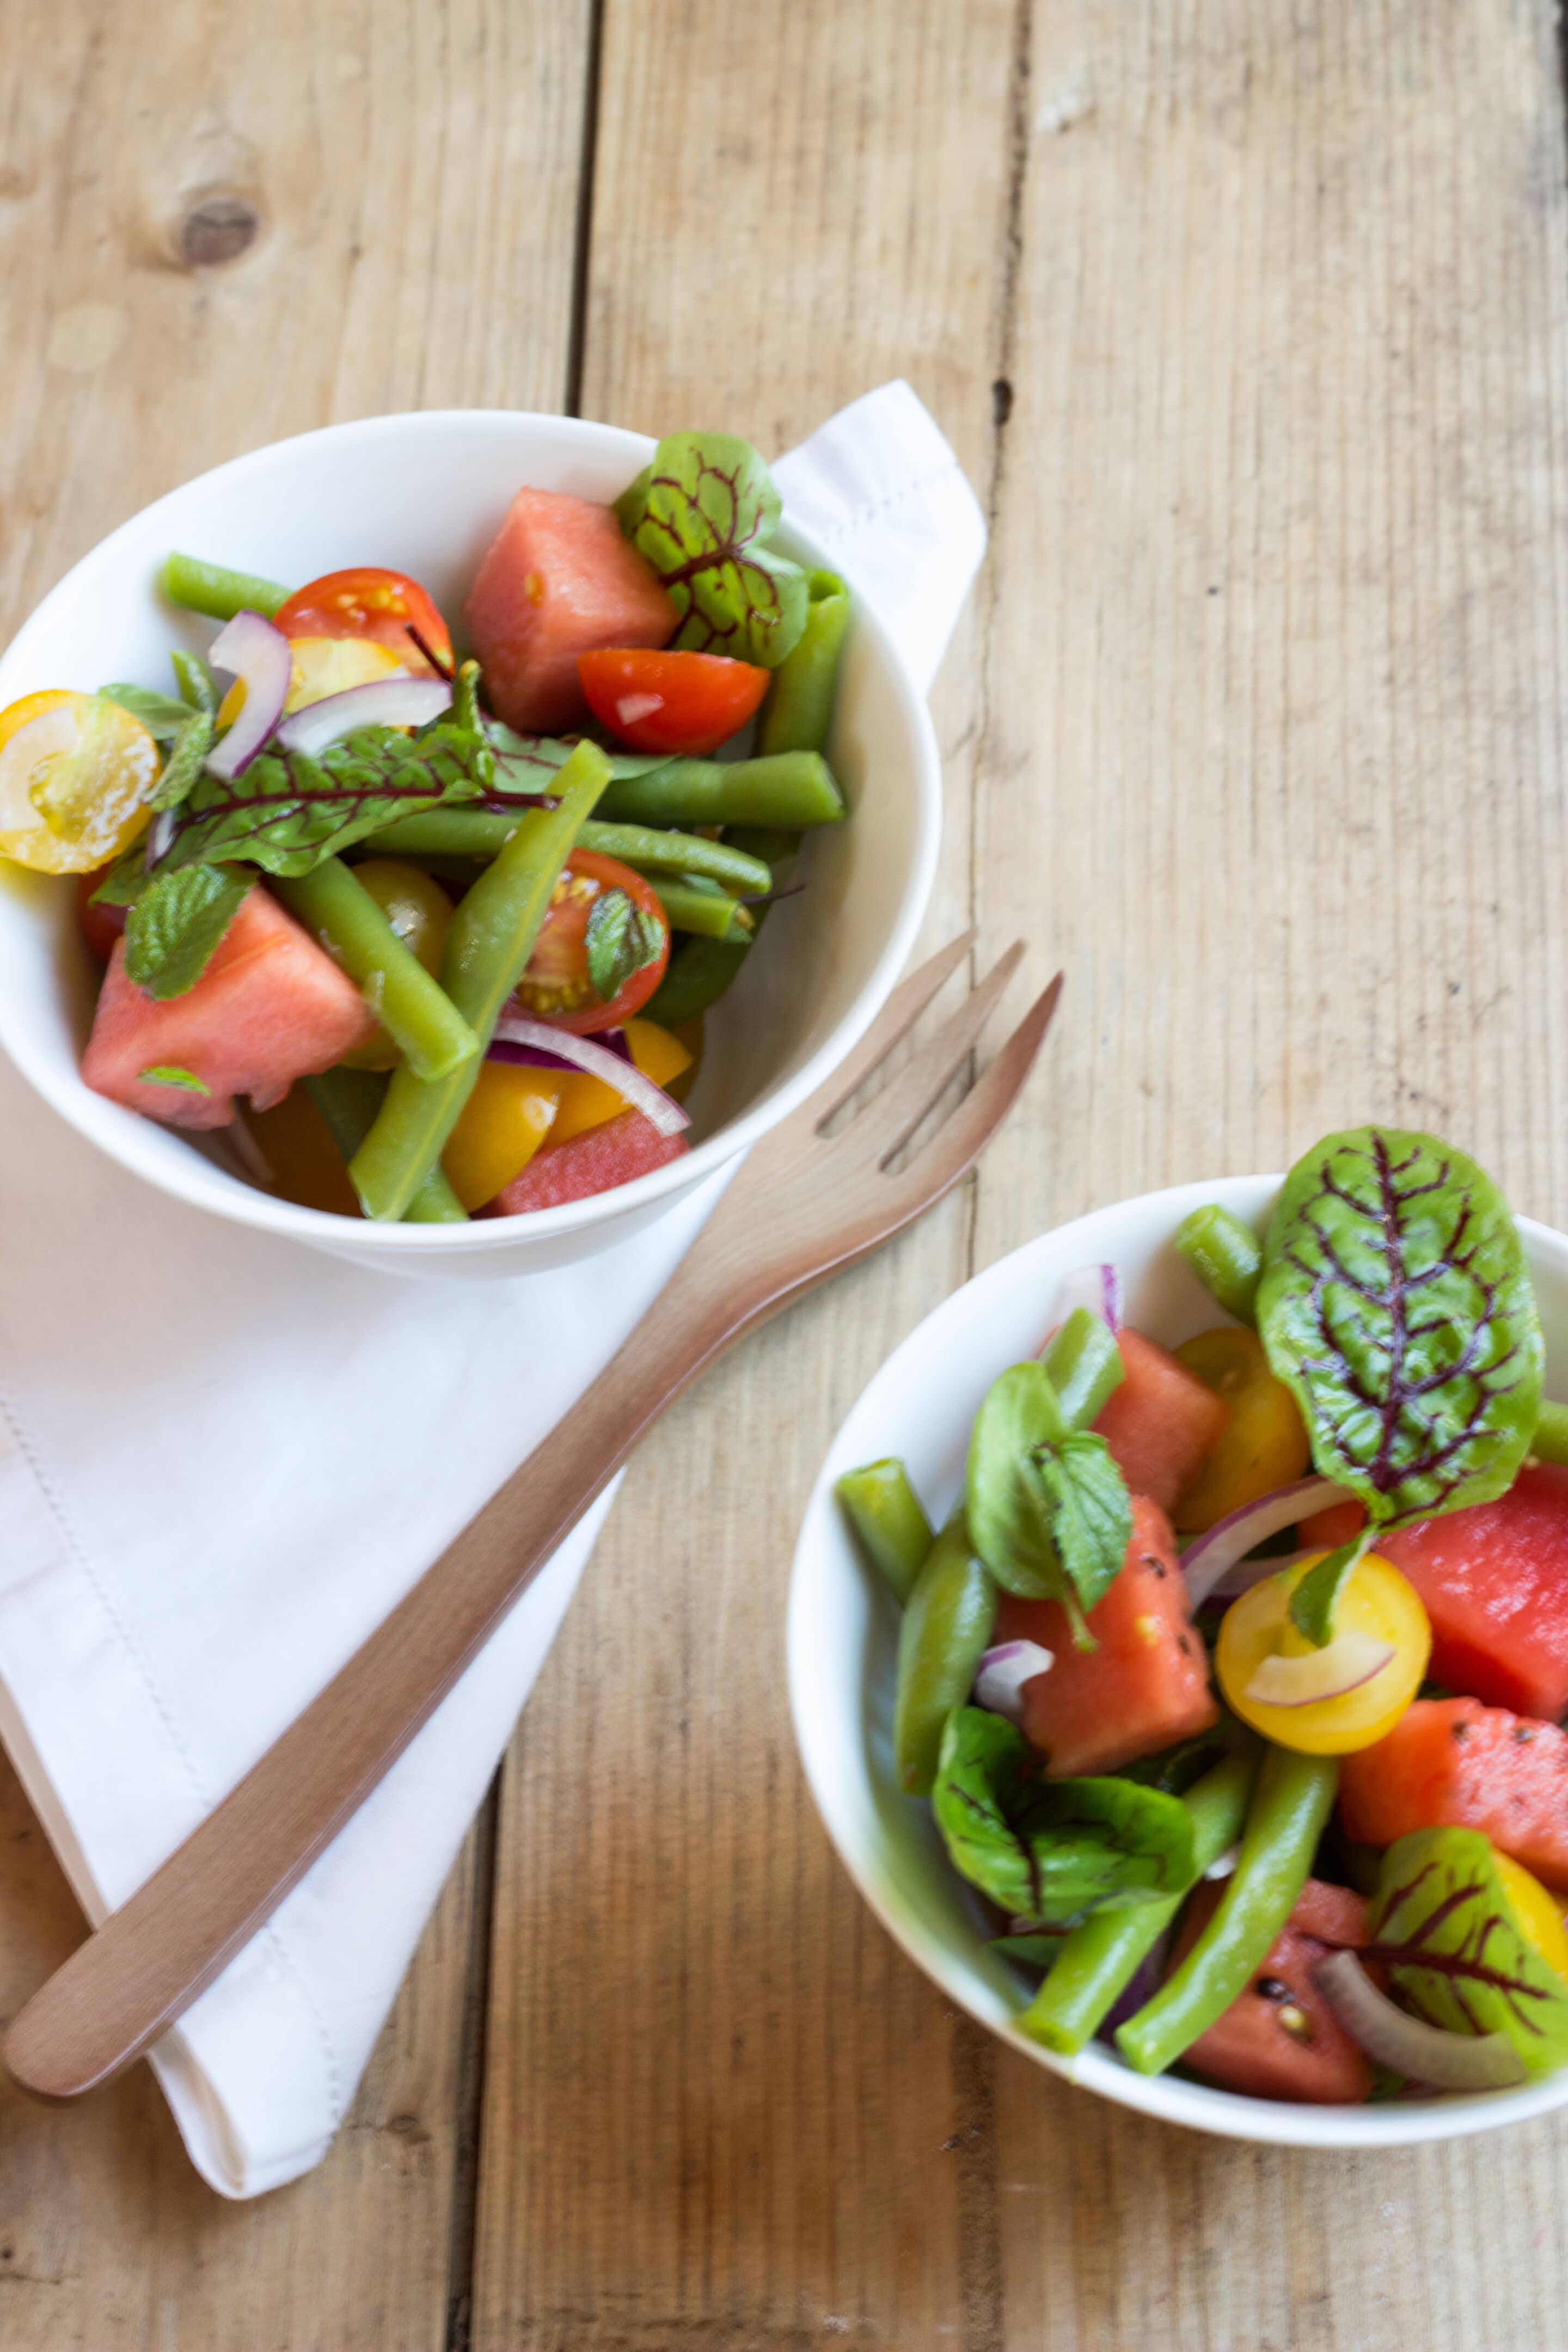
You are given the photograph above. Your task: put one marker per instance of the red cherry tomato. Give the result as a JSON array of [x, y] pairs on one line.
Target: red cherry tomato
[[559, 984], [370, 604], [671, 702], [100, 926]]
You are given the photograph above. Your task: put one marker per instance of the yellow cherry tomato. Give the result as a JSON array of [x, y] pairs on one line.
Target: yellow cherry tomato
[[656, 1051], [499, 1129], [320, 666], [306, 1164], [586, 1101], [420, 912], [75, 773], [1376, 1600], [1262, 1446], [1536, 1916]]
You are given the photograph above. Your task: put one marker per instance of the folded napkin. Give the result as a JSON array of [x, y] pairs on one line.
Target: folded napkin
[[223, 1458]]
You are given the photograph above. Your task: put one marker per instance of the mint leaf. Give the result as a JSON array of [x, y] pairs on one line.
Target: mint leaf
[[619, 939], [1396, 1306], [183, 768], [1048, 1510], [1091, 1511], [125, 880], [702, 514], [1442, 1924], [1054, 1851], [171, 1073], [176, 922], [1315, 1599], [161, 715], [198, 687]]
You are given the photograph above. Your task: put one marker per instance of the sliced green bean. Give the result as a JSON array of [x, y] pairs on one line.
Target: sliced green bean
[[1550, 1443], [945, 1632], [1226, 1257], [1085, 1365], [793, 788], [798, 712], [1097, 1963], [1291, 1800], [492, 934], [414, 1010], [214, 589], [693, 904], [479, 834], [348, 1101], [890, 1519]]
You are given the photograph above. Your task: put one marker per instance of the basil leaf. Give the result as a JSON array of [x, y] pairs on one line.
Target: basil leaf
[[173, 1074], [183, 768], [620, 939], [702, 514], [287, 811], [1053, 1851], [1048, 1510], [1442, 1923], [1396, 1307], [161, 715], [175, 924], [198, 687]]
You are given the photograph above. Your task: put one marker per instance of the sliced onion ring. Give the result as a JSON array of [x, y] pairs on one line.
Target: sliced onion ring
[[1217, 1550], [250, 649], [384, 702], [1098, 1287], [1004, 1671], [588, 1054], [1425, 2054], [1343, 1664], [535, 1058]]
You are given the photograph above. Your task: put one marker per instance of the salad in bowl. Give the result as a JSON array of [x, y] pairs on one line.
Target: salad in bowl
[[1228, 1673], [445, 895]]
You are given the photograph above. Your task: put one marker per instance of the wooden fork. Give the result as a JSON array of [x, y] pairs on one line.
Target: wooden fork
[[802, 1206]]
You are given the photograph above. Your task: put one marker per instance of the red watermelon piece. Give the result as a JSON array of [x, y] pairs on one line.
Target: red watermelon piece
[[559, 579], [596, 1160], [1161, 1420], [1147, 1683], [1452, 1763], [1279, 2039], [270, 1007]]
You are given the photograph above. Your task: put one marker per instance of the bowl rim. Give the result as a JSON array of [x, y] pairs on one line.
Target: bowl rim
[[208, 1187], [1169, 2098]]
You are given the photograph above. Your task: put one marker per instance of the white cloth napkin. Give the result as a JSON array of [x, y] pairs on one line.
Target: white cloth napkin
[[223, 1458]]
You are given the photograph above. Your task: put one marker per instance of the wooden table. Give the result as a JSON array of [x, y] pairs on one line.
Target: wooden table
[[1249, 320]]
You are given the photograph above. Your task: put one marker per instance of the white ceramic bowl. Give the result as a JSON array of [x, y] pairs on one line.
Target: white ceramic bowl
[[425, 493], [843, 1639]]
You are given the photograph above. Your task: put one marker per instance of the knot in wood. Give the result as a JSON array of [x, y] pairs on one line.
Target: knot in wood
[[219, 227]]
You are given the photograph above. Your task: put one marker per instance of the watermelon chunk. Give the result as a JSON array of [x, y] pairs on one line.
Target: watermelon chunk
[[594, 1161], [1146, 1684], [559, 579], [1161, 1422], [270, 1007], [1279, 2039], [1453, 1763]]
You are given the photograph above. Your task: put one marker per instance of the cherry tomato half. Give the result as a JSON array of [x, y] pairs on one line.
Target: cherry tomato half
[[601, 951], [671, 702], [369, 603]]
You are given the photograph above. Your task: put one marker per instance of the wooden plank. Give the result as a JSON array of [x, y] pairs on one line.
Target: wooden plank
[[1263, 701], [401, 183], [719, 2107]]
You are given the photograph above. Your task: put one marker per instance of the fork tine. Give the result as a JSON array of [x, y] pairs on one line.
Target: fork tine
[[899, 1013], [899, 1108], [960, 1141]]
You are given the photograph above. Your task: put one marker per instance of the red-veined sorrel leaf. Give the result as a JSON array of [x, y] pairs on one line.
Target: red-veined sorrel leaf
[[1442, 1923], [702, 514]]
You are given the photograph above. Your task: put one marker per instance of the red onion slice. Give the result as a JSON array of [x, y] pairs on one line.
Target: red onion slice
[[1004, 1671], [1425, 2053], [1343, 1664], [1219, 1549], [535, 1058], [384, 702], [1098, 1287], [250, 649], [588, 1054]]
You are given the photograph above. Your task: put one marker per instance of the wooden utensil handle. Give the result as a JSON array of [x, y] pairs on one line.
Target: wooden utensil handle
[[151, 1958]]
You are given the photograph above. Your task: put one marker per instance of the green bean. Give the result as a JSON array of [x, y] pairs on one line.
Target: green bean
[[212, 589], [693, 904], [792, 788], [1226, 1256], [414, 1010], [798, 711], [1550, 1443], [1098, 1961], [887, 1514], [479, 834], [492, 934], [348, 1101], [1085, 1365], [1291, 1800], [196, 683], [945, 1632], [476, 833]]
